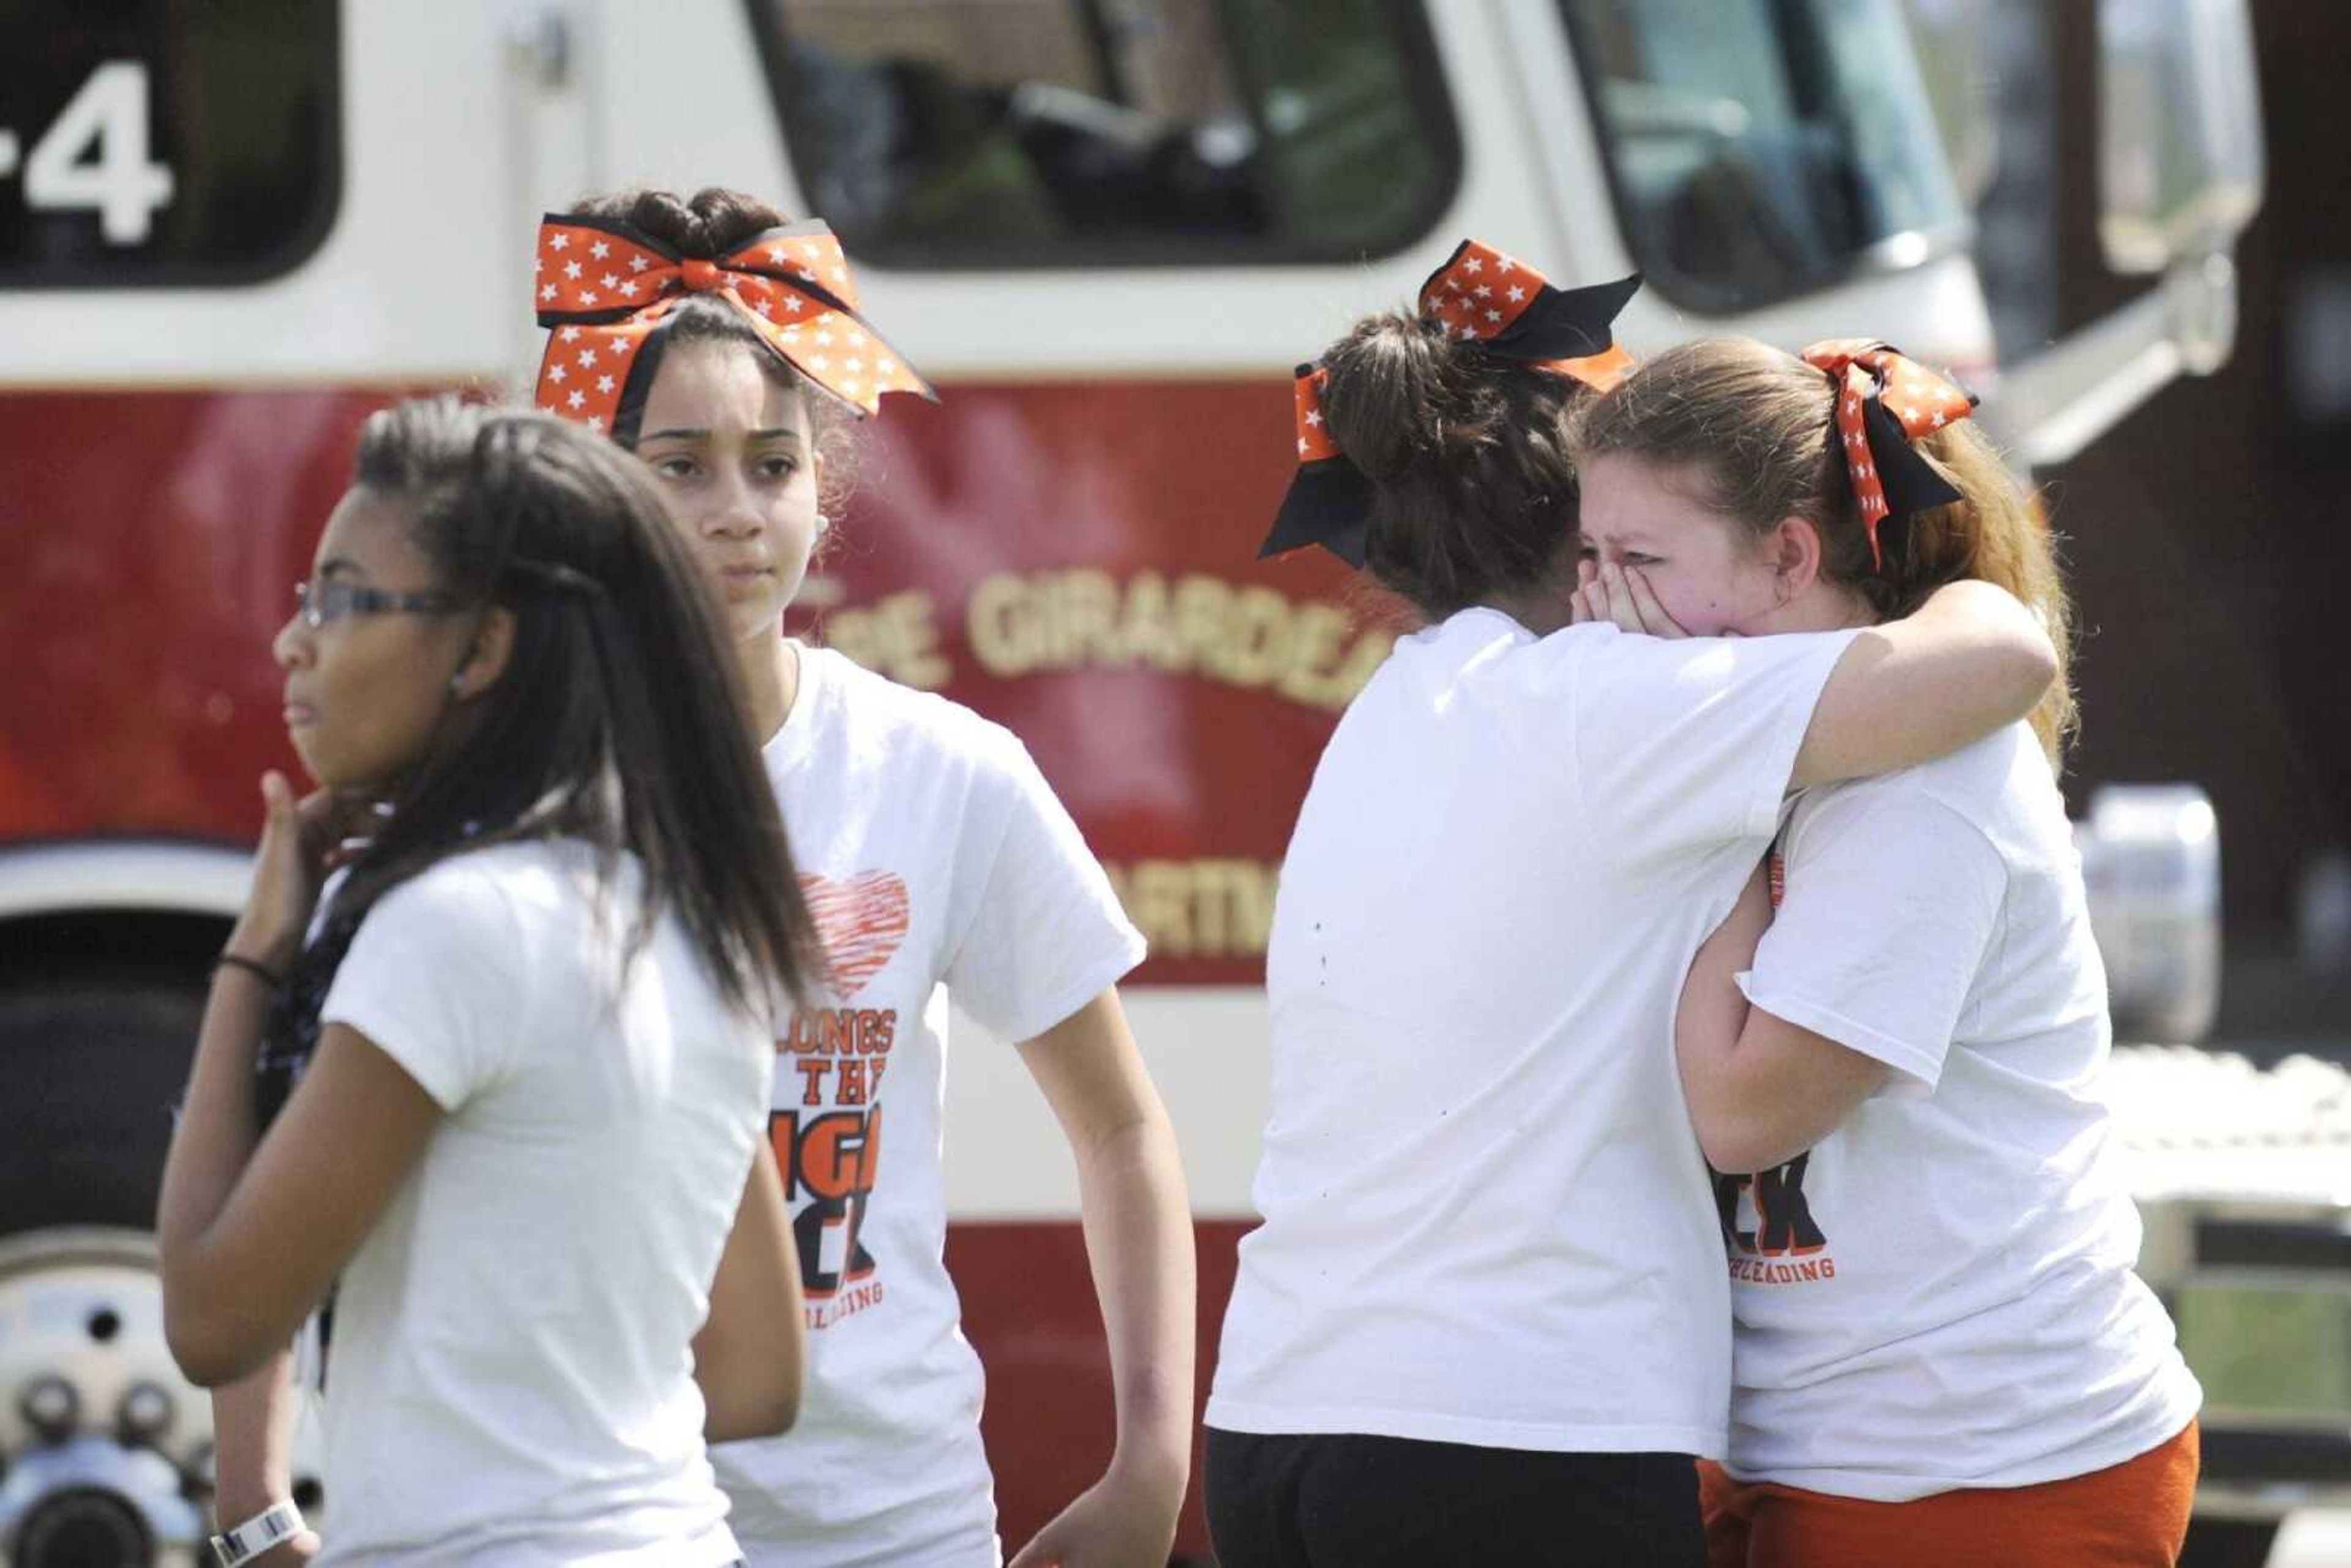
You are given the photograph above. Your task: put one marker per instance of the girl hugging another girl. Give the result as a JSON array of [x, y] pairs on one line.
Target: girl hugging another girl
[[1942, 1354]]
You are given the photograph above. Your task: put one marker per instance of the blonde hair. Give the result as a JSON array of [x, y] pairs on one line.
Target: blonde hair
[[1755, 425]]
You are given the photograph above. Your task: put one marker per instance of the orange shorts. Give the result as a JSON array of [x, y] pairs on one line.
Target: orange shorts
[[2125, 1516]]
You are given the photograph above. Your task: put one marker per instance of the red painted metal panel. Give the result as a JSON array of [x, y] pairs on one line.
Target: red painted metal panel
[[1029, 1309], [1074, 561], [153, 543]]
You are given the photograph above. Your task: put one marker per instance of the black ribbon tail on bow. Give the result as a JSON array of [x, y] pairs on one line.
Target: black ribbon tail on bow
[[1567, 323], [1329, 504], [1910, 482]]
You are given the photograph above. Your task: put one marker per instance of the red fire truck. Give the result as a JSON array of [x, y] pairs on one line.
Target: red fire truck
[[1105, 228]]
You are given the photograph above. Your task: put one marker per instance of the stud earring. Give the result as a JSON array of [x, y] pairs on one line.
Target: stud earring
[[822, 522]]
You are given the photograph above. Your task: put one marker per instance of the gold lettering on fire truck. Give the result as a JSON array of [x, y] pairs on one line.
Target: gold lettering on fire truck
[[1199, 908], [1245, 635], [897, 635]]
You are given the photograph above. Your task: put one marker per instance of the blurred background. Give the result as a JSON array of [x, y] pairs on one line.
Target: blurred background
[[2202, 530]]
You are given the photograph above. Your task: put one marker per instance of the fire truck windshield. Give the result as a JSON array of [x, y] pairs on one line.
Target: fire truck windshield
[[1763, 149], [1139, 133]]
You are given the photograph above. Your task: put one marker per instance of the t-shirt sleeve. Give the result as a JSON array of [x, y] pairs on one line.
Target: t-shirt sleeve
[[1047, 934], [433, 978], [1689, 744], [1893, 901]]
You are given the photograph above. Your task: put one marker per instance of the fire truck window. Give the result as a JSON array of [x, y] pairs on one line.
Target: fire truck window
[[1014, 133], [146, 144], [1761, 148]]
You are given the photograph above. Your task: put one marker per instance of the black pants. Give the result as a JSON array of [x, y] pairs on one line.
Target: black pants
[[1370, 1502]]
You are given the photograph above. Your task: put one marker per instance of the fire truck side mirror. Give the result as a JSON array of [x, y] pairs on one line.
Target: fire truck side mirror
[[1958, 68], [2180, 159], [2152, 861]]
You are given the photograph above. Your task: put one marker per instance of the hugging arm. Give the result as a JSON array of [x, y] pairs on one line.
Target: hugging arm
[[1761, 1089], [1970, 661], [1860, 983], [1678, 743]]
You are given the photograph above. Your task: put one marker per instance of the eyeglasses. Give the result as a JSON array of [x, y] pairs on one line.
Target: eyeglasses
[[319, 603]]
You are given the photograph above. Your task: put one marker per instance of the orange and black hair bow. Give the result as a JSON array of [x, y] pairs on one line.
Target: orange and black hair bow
[[1479, 293], [603, 287], [1883, 403]]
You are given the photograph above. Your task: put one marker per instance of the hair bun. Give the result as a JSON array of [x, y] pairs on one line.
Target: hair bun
[[1474, 492], [706, 225], [1388, 392]]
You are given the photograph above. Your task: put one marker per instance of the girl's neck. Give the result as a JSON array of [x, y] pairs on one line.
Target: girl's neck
[[770, 666], [1824, 606], [1542, 610]]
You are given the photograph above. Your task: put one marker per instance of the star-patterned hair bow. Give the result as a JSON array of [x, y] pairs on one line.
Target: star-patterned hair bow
[[1505, 304], [1883, 403], [1479, 294], [603, 288]]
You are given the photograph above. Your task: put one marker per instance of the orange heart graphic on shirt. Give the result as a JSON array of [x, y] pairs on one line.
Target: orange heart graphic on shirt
[[860, 921]]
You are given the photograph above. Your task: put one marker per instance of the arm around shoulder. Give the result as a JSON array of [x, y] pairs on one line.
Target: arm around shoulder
[[1970, 661]]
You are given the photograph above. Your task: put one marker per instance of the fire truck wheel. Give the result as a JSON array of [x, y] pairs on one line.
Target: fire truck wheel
[[88, 1071], [107, 1447]]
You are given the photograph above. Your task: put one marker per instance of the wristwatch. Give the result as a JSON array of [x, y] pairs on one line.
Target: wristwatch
[[257, 1536]]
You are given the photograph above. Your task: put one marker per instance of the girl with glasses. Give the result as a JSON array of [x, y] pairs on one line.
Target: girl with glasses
[[523, 1055]]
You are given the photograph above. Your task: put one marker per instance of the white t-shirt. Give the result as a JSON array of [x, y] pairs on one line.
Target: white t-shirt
[[511, 1379], [935, 858], [1486, 1219], [1940, 1294]]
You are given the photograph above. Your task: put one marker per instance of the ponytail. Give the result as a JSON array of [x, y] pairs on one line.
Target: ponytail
[[1998, 534], [1473, 486]]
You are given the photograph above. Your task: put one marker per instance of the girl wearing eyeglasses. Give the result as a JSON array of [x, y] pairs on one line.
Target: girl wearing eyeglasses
[[525, 1052]]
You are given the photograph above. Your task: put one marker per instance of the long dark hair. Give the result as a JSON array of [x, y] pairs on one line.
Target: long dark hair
[[615, 721], [1473, 486], [712, 223]]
